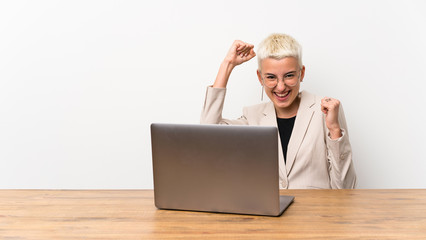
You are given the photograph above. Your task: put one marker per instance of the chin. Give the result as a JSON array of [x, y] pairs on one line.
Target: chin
[[282, 105]]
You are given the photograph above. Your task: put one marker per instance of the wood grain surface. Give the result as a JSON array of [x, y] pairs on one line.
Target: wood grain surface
[[131, 214]]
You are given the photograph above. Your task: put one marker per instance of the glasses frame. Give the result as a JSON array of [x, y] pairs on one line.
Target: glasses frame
[[278, 80], [263, 80]]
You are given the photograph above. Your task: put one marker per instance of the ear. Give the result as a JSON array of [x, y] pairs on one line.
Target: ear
[[259, 76], [302, 73]]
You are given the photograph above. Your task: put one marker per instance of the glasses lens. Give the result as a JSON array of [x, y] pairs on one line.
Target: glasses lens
[[290, 80], [270, 83]]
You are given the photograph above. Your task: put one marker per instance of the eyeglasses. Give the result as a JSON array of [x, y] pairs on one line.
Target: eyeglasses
[[290, 79]]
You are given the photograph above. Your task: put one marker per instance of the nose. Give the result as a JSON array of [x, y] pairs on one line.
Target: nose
[[280, 85]]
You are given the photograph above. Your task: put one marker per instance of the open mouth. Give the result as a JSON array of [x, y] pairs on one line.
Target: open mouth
[[282, 96]]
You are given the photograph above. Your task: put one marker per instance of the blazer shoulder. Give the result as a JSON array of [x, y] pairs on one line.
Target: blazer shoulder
[[259, 108], [310, 100]]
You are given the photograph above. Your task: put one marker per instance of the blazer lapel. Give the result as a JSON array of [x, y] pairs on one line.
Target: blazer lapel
[[270, 119], [269, 116], [301, 125]]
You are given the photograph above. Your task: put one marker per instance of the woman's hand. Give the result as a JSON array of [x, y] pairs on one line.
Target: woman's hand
[[239, 52], [330, 107]]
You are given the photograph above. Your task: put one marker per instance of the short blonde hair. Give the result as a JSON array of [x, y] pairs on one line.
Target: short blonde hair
[[279, 46]]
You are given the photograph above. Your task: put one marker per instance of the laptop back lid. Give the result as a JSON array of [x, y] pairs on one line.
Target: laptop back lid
[[216, 168]]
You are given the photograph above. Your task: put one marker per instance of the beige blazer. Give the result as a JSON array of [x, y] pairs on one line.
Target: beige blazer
[[314, 160]]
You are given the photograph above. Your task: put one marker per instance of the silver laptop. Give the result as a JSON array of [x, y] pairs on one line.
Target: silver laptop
[[216, 168]]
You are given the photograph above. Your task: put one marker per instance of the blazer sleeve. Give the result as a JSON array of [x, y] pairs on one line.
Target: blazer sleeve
[[213, 106], [341, 169]]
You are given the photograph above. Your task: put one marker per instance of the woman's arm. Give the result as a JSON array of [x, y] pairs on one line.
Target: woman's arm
[[239, 53], [213, 106], [341, 170]]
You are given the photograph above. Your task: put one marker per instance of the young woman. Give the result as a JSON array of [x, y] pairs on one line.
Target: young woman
[[314, 149]]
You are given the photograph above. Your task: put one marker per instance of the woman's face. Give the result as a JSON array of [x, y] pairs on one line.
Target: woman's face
[[288, 74]]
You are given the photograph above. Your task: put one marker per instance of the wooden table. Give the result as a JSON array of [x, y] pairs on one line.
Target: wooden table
[[131, 214]]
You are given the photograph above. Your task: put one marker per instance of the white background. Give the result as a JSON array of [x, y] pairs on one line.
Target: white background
[[81, 81]]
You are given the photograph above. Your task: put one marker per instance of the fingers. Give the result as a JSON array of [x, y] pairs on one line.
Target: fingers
[[244, 49], [247, 55], [240, 52], [330, 107], [324, 104], [329, 104], [324, 109]]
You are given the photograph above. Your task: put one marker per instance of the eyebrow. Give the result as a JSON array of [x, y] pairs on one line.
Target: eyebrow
[[284, 73]]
